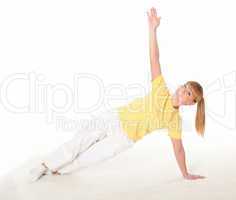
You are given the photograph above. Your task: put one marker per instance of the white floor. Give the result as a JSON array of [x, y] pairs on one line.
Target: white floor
[[146, 171]]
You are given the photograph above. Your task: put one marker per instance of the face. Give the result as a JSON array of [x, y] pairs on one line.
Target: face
[[185, 95]]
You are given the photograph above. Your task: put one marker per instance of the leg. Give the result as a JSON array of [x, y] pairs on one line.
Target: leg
[[84, 138], [98, 152], [64, 159], [66, 153]]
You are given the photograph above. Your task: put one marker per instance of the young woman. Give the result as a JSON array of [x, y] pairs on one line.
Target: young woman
[[129, 123]]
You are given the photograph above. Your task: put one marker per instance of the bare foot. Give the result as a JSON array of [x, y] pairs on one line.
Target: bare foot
[[55, 173], [43, 164]]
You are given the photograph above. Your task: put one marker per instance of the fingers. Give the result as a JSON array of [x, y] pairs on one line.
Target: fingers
[[194, 177], [201, 177], [152, 14], [198, 177], [153, 11]]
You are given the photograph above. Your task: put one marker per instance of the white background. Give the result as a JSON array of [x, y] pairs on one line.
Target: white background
[[109, 39]]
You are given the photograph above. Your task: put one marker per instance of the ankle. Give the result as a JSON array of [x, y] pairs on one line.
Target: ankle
[[46, 167]]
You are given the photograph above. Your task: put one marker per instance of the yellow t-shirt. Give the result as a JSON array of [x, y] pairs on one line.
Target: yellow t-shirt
[[153, 111]]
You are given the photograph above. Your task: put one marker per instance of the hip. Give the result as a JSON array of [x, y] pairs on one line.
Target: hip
[[109, 120]]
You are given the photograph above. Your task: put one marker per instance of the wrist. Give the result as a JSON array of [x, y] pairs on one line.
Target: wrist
[[152, 29], [185, 175]]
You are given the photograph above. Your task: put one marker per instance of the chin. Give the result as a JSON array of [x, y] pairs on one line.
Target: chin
[[180, 100]]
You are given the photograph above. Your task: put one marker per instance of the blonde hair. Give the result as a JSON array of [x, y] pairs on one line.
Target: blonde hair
[[200, 114]]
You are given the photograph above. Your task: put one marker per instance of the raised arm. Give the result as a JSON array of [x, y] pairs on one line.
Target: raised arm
[[153, 22], [180, 158]]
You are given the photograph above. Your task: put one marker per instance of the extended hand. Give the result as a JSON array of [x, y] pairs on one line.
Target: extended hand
[[193, 177], [153, 19]]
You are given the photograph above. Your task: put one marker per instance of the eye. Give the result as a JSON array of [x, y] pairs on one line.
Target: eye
[[189, 93]]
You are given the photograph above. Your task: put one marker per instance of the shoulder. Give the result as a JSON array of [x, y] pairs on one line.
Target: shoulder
[[159, 84], [175, 120], [158, 79]]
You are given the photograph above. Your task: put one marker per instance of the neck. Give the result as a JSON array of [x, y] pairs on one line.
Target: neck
[[174, 101]]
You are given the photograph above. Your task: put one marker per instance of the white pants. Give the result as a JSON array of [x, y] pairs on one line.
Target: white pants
[[91, 145]]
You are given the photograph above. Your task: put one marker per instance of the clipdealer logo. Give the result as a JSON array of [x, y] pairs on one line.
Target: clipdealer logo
[[42, 98]]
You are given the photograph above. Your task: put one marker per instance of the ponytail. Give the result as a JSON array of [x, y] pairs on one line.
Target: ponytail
[[200, 117]]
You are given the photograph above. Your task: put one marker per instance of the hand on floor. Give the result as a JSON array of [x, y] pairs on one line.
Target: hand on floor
[[193, 177]]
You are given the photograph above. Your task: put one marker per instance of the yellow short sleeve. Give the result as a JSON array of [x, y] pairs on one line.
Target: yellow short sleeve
[[159, 90], [158, 82], [175, 128]]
